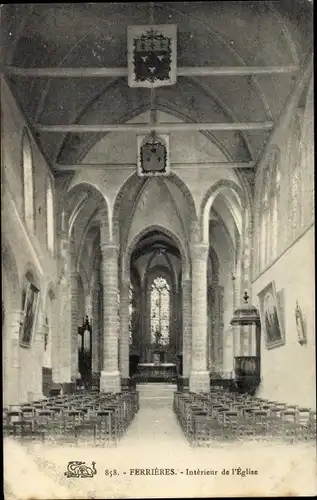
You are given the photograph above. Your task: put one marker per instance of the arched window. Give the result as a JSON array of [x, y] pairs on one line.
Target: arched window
[[269, 211], [275, 201], [49, 215], [28, 182], [295, 177], [160, 311], [265, 219]]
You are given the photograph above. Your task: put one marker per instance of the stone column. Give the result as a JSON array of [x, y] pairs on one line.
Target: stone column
[[236, 330], [199, 377], [74, 325], [176, 303], [124, 329], [13, 372], [179, 320], [110, 375], [64, 317], [95, 322], [38, 349], [210, 326], [144, 326], [147, 349], [101, 326], [218, 328], [187, 326], [56, 338]]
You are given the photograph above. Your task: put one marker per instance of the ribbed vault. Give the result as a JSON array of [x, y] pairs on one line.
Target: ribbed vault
[[209, 34]]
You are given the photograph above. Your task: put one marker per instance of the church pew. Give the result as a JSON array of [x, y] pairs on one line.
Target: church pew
[[220, 415], [59, 417]]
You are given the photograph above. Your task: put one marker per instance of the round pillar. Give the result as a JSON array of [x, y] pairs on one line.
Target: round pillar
[[199, 377], [124, 330], [110, 376], [187, 326]]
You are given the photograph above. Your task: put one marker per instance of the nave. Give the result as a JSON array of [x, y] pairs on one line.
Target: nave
[[158, 232]]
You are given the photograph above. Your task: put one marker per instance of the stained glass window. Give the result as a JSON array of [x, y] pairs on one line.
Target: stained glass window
[[160, 311]]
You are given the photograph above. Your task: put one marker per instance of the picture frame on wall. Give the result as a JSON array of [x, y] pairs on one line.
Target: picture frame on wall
[[30, 308], [271, 317]]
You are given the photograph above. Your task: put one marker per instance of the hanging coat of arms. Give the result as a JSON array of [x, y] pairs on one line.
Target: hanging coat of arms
[[151, 55], [153, 155]]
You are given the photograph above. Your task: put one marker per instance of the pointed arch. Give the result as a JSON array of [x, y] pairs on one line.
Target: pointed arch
[[167, 232], [133, 179], [88, 189], [208, 199], [169, 263]]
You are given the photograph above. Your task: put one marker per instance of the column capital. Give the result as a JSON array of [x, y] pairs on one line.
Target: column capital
[[199, 251], [109, 250]]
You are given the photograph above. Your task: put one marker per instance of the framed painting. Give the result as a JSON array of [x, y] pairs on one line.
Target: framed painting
[[271, 317], [31, 300]]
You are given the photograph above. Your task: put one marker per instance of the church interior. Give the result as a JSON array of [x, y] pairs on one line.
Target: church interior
[[121, 281]]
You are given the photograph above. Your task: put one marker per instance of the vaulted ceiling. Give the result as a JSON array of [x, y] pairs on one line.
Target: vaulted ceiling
[[69, 35]]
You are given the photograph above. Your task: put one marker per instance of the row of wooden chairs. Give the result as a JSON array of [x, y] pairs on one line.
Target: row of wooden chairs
[[101, 418], [226, 415]]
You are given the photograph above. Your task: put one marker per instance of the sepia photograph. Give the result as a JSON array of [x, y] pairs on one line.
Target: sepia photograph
[[158, 249]]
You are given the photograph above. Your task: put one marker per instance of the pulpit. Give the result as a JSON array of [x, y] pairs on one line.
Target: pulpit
[[248, 368]]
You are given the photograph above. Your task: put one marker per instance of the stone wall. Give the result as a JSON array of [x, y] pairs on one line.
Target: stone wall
[[29, 252]]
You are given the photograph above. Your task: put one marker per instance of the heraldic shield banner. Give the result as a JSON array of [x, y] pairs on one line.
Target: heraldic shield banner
[[153, 155], [152, 55]]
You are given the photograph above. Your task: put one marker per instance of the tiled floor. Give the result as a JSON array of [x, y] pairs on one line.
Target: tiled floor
[[155, 442]]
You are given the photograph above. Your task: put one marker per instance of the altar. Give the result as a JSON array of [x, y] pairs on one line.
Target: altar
[[156, 372]]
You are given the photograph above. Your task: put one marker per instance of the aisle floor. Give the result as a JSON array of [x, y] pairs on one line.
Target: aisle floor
[[155, 442]]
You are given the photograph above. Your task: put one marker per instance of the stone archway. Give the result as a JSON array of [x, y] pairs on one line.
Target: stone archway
[[182, 249], [153, 252]]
